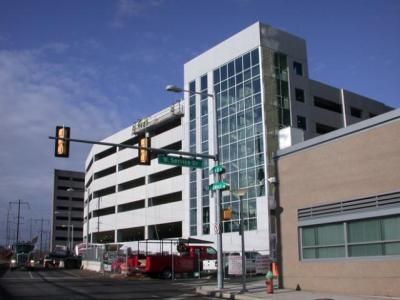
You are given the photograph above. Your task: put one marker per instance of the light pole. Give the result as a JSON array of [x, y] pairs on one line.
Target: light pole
[[68, 227], [240, 193], [87, 219], [217, 178], [70, 246]]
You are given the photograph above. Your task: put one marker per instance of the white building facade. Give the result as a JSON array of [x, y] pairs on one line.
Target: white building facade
[[127, 201]]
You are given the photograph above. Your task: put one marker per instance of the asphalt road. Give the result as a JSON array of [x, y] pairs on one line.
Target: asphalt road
[[77, 284]]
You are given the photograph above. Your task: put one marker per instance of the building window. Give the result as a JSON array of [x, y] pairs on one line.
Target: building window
[[162, 175], [104, 192], [366, 237], [298, 68], [327, 104], [372, 115], [165, 199], [130, 234], [301, 122], [299, 94], [131, 184], [322, 128], [131, 206], [105, 172], [62, 208], [105, 153], [355, 112], [165, 231], [323, 241], [103, 237], [104, 211], [374, 237]]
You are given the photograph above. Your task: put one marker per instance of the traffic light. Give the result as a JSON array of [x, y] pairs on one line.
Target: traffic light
[[227, 214], [62, 146], [144, 154]]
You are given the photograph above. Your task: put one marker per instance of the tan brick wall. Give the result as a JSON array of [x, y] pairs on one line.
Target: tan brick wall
[[362, 164]]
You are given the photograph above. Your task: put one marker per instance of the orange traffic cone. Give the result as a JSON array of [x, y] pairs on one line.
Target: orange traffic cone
[[275, 272]]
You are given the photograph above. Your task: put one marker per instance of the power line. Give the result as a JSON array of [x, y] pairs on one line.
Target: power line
[[19, 202]]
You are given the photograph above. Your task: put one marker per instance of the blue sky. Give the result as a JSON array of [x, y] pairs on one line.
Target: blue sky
[[98, 66]]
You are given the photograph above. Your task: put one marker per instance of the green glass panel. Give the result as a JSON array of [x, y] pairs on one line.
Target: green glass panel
[[391, 228], [365, 250], [392, 249], [331, 252], [252, 224], [364, 231], [308, 236], [330, 234], [309, 253], [252, 208]]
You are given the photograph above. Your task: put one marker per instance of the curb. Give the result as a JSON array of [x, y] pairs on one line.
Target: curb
[[222, 294]]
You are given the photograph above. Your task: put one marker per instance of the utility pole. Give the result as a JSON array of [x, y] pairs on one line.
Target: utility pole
[[8, 224], [19, 215], [41, 233]]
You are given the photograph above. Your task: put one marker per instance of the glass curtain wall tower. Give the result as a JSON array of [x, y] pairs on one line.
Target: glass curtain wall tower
[[251, 87]]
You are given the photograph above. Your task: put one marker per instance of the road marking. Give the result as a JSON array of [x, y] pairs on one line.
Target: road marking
[[72, 274], [35, 278], [30, 275]]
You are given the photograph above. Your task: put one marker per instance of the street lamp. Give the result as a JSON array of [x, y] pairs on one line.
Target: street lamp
[[57, 212], [71, 246], [240, 193], [88, 213], [217, 178]]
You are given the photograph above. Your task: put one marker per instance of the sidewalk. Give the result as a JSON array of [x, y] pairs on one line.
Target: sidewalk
[[256, 290]]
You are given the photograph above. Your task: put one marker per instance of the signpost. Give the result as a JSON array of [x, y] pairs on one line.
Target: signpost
[[220, 185], [217, 169], [180, 161]]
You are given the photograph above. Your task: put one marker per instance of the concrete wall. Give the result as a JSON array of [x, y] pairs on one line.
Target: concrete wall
[[360, 164]]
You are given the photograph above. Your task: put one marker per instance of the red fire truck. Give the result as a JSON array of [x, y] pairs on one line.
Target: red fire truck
[[188, 259]]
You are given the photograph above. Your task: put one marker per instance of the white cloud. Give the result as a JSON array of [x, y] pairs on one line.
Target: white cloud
[[132, 8], [35, 96]]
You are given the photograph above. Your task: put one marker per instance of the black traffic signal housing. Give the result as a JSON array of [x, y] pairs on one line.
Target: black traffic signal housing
[[144, 154], [62, 146]]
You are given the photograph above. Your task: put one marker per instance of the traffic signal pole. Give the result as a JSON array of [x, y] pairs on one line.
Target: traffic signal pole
[[155, 150]]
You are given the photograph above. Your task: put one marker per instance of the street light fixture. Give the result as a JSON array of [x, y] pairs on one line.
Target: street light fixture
[[88, 213], [240, 193], [217, 178], [57, 212], [71, 245]]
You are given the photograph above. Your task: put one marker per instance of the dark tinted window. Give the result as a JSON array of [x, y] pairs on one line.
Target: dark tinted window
[[356, 112], [164, 199], [298, 68], [299, 93], [327, 104], [322, 128], [301, 122], [165, 174], [131, 206]]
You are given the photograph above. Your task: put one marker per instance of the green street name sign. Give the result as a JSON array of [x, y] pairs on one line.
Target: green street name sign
[[220, 185], [217, 169], [180, 161]]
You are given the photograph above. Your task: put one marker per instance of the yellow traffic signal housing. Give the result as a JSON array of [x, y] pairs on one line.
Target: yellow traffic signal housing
[[62, 146], [144, 154], [227, 214]]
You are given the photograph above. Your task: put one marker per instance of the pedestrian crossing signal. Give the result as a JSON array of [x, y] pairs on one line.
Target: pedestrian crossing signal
[[62, 146], [144, 154]]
